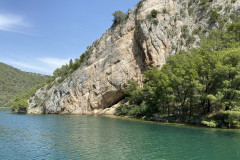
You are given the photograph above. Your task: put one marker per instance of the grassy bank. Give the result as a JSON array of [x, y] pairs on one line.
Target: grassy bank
[[170, 123]]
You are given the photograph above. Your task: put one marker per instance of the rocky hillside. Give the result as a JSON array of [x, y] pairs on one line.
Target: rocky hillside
[[151, 32], [14, 81]]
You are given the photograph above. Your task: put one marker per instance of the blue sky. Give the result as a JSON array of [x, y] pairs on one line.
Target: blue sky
[[41, 35]]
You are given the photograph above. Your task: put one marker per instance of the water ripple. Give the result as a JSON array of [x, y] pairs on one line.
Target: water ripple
[[94, 137]]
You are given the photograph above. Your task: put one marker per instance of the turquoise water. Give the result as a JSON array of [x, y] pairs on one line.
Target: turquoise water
[[40, 137]]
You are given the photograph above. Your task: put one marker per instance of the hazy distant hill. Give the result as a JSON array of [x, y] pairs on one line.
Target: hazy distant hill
[[14, 81]]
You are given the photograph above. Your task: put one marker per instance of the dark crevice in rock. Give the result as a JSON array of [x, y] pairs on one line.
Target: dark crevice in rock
[[110, 98], [138, 53]]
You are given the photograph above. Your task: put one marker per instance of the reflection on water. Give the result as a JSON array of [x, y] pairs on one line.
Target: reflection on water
[[97, 137]]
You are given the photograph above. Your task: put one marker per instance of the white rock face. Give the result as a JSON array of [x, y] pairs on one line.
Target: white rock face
[[124, 52]]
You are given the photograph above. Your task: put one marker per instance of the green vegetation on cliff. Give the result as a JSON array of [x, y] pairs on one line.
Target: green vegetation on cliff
[[119, 16], [65, 70], [14, 82], [19, 104], [198, 87]]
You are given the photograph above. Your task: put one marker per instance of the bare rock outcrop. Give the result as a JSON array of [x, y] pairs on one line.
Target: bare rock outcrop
[[125, 51]]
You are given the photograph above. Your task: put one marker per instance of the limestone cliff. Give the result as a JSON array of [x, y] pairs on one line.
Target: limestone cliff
[[128, 49]]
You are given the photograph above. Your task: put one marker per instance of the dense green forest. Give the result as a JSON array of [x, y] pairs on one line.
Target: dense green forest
[[14, 81], [201, 86]]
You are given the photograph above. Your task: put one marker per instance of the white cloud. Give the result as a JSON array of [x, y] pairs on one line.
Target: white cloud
[[13, 23], [27, 66], [41, 65], [54, 62]]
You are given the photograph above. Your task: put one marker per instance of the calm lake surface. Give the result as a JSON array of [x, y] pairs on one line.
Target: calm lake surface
[[97, 137]]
